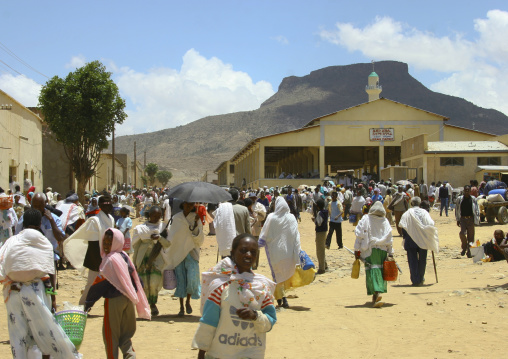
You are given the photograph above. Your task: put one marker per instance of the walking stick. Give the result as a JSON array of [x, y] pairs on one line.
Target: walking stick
[[434, 261]]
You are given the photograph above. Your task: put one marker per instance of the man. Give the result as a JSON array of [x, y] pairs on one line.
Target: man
[[443, 198], [315, 197], [51, 225], [450, 194], [335, 212], [400, 205], [348, 199], [49, 194], [467, 215], [263, 199], [419, 235], [27, 270], [82, 247], [424, 191], [357, 205], [241, 214]]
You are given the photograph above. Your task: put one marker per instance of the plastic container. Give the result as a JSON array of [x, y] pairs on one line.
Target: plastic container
[[390, 271], [73, 323]]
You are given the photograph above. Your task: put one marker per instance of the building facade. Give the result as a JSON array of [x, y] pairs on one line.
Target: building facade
[[20, 144]]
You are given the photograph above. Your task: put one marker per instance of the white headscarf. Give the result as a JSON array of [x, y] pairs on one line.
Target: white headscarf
[[281, 237], [373, 231]]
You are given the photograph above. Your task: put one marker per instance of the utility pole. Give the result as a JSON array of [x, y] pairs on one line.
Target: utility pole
[[113, 158], [144, 164], [135, 168]]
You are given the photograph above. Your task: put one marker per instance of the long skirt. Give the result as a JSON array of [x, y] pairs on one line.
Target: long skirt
[[187, 278], [299, 279], [151, 278], [374, 272], [32, 327]]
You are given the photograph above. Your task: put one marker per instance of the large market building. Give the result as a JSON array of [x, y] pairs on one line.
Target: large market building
[[364, 138]]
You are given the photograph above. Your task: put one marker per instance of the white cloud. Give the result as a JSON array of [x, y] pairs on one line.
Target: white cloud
[[473, 69], [76, 62], [165, 97], [282, 39], [21, 88]]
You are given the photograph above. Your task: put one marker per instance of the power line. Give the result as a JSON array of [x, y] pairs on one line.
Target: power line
[[19, 73], [17, 58]]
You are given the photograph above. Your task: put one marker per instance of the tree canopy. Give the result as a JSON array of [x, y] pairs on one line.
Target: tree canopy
[[151, 170], [81, 111], [163, 177]]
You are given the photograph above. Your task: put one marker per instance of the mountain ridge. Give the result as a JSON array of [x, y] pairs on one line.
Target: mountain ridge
[[190, 150]]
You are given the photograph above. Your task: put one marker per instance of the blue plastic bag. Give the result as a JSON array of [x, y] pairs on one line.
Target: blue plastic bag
[[305, 261]]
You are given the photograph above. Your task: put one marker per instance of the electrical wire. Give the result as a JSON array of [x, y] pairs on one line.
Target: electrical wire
[[17, 58]]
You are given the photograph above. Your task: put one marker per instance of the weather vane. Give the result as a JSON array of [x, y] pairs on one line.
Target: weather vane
[[372, 65]]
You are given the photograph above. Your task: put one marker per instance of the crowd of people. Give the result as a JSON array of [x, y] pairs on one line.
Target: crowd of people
[[44, 231]]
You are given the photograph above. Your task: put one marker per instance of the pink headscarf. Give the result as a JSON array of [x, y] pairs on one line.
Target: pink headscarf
[[115, 270]]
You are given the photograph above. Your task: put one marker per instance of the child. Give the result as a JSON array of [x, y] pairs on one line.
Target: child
[[119, 284], [321, 222], [124, 224]]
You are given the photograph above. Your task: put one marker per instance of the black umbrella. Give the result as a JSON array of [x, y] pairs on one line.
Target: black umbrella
[[199, 192]]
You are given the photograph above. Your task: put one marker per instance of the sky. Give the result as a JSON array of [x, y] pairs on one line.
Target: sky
[[178, 61]]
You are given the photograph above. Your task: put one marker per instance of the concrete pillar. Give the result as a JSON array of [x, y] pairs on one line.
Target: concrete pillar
[[261, 162], [381, 158], [322, 162]]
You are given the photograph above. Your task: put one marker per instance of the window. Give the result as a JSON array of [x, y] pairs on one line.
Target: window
[[231, 168], [452, 161], [489, 161]]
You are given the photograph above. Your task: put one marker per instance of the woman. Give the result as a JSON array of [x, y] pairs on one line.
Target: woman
[[236, 303], [186, 238], [148, 259], [374, 244], [281, 238]]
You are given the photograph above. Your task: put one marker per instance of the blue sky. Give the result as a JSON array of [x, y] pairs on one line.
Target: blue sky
[[178, 61]]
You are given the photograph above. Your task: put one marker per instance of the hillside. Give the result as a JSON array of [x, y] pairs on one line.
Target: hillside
[[188, 151]]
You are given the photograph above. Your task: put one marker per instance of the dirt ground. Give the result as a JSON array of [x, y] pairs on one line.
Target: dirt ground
[[464, 315]]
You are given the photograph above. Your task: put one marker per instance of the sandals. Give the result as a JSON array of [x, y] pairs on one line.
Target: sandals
[[188, 308], [154, 310], [181, 313]]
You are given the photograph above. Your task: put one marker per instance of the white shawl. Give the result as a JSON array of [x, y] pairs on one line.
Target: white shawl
[[373, 232], [421, 229], [25, 252], [183, 241], [93, 229], [225, 229], [70, 213], [281, 237]]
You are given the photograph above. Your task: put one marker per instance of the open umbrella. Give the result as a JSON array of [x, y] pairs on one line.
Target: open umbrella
[[199, 192]]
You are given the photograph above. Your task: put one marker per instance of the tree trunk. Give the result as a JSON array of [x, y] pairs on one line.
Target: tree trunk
[[81, 189]]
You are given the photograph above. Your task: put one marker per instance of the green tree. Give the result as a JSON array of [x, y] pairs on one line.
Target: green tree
[[81, 111], [144, 179], [163, 177], [151, 170]]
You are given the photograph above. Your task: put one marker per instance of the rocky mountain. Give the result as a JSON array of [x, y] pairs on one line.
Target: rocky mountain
[[188, 151]]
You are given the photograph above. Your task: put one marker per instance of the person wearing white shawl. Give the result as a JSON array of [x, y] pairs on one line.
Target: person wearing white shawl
[[281, 239], [225, 230], [82, 248], [374, 243], [236, 306], [186, 237], [26, 259], [419, 235], [148, 257]]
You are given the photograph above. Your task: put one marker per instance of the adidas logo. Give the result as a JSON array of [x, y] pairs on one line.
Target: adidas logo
[[238, 321]]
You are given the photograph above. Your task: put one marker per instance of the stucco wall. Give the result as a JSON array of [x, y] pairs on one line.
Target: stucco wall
[[21, 142]]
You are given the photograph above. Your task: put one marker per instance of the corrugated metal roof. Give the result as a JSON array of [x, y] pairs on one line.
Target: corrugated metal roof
[[465, 146]]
